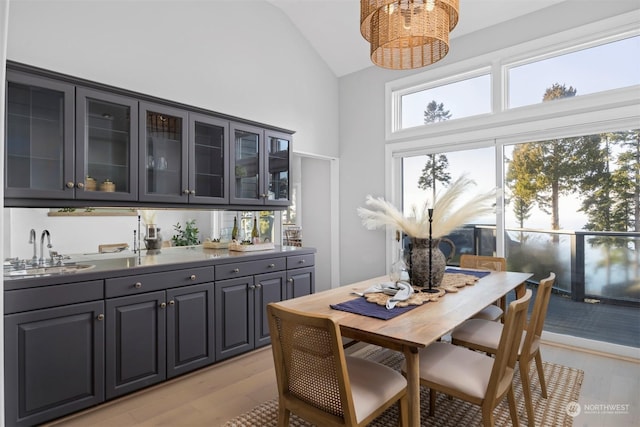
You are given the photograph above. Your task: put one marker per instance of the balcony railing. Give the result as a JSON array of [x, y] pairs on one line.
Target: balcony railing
[[590, 266]]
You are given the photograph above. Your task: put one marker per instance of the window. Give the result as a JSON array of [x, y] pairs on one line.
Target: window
[[586, 211], [447, 101], [609, 66], [590, 236], [418, 183]]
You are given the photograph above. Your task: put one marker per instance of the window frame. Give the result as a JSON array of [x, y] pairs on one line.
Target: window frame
[[602, 32]]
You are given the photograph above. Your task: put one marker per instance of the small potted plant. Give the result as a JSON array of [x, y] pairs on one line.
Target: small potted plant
[[187, 236]]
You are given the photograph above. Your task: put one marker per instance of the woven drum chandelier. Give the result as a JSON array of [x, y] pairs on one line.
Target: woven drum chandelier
[[407, 34]]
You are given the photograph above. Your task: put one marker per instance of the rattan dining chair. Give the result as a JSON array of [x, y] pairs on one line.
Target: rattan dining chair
[[495, 311], [317, 382], [484, 335], [475, 377]]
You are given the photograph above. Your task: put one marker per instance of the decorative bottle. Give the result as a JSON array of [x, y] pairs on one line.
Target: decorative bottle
[[234, 231], [398, 270], [255, 236]]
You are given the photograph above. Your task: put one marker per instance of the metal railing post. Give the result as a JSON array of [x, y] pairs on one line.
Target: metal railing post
[[577, 267]]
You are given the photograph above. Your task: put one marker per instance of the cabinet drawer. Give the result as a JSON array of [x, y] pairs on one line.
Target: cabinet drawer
[[51, 296], [249, 268], [298, 261], [140, 283]]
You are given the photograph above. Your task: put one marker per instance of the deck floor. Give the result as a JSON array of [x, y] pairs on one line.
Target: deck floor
[[611, 323]]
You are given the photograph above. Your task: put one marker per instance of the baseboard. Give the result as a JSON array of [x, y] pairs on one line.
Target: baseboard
[[630, 354]]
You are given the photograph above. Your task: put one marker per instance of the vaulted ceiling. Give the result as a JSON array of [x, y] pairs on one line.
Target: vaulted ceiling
[[333, 26]]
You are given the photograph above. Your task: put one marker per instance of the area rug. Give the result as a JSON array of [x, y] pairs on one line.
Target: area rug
[[563, 387]]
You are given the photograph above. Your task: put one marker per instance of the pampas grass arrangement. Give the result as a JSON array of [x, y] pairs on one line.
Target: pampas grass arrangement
[[449, 211]]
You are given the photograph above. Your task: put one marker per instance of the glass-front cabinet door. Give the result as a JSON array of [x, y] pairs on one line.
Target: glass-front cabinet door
[[247, 165], [208, 159], [39, 137], [107, 141], [278, 161], [163, 154]]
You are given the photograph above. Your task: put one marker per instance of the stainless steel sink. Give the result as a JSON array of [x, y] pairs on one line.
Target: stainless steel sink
[[49, 270]]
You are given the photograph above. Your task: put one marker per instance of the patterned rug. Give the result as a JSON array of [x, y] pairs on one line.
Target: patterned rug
[[563, 387]]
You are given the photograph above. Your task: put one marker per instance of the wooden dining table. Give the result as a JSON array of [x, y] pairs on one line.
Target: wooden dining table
[[414, 329]]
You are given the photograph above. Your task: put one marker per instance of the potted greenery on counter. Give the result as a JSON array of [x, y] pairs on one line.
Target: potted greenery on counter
[[187, 236]]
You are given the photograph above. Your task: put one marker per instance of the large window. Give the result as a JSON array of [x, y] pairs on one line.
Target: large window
[[567, 175], [572, 206]]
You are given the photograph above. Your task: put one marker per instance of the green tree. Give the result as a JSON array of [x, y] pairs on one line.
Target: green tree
[[435, 170], [523, 168], [626, 178], [549, 169], [436, 113]]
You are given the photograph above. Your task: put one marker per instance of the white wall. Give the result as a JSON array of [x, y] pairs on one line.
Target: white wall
[[315, 203], [362, 118]]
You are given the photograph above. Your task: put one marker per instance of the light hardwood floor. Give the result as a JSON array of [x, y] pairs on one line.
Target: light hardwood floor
[[218, 393]]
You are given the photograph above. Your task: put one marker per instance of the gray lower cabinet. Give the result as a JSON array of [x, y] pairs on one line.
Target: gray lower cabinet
[[135, 342], [300, 282], [301, 274], [74, 345], [190, 331], [241, 321], [157, 335], [54, 362]]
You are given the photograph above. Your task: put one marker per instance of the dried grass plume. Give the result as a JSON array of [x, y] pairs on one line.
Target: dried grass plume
[[449, 211]]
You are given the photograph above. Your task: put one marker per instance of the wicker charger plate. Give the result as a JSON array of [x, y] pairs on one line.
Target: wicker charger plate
[[451, 283]]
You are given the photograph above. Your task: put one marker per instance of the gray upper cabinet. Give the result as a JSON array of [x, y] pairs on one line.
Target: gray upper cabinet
[[277, 166], [39, 148], [80, 141], [260, 163], [163, 154], [208, 159], [106, 146]]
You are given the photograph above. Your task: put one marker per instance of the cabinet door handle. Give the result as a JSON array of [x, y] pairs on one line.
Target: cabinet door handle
[[80, 185], [185, 191], [264, 196], [100, 316], [192, 192], [138, 285], [252, 287], [163, 304], [271, 265], [192, 277], [290, 280], [236, 270], [172, 302], [259, 285], [302, 261], [70, 184]]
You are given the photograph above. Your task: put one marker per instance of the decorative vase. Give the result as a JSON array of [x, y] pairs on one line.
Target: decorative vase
[[419, 270], [153, 239]]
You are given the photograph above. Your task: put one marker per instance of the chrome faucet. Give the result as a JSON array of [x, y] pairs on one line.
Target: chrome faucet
[[32, 240], [44, 233]]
